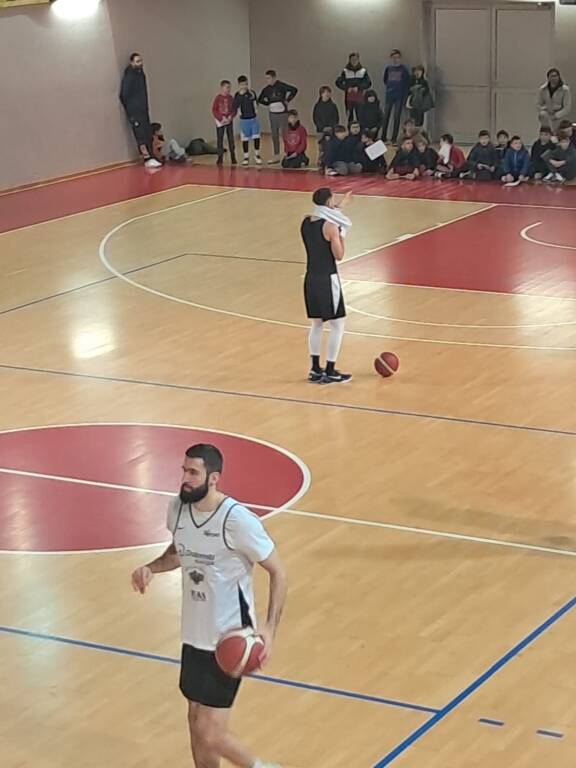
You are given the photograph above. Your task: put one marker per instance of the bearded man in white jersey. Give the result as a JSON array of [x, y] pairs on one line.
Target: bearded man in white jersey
[[215, 541]]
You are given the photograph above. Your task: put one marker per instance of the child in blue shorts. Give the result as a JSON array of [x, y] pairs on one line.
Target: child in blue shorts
[[245, 102]]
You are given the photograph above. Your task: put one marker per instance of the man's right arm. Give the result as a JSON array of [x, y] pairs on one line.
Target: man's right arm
[[168, 561]]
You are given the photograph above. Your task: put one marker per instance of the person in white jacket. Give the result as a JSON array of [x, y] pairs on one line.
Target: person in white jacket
[[554, 100]]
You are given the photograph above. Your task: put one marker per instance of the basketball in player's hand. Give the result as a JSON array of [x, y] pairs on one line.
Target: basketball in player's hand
[[386, 364], [238, 652]]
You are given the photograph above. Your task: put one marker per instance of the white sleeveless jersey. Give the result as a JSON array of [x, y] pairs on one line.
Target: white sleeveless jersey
[[217, 552]]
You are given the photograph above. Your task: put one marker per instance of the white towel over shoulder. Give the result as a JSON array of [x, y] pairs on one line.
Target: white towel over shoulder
[[334, 216]]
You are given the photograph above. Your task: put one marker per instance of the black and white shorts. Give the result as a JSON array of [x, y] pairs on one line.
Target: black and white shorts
[[323, 297], [202, 680]]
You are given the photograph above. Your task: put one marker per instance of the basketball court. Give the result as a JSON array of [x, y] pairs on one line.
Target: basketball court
[[427, 520]]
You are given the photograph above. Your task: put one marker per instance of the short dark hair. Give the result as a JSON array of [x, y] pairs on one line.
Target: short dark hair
[[271, 73], [133, 56], [484, 133], [354, 122], [242, 79], [321, 196], [225, 82], [546, 129], [324, 89], [156, 127], [293, 112], [210, 455], [502, 132], [515, 138], [340, 128], [447, 137], [396, 52], [564, 124]]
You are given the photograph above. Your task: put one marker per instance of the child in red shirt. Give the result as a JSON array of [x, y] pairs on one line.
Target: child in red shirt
[[223, 111], [451, 159], [295, 143]]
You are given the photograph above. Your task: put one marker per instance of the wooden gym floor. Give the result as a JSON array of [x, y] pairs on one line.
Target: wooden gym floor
[[427, 521]]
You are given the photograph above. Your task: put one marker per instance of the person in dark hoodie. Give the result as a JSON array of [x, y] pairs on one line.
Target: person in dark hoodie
[[341, 156], [378, 165], [397, 82], [561, 161], [134, 98], [538, 167], [420, 100], [405, 163], [354, 80], [425, 155], [371, 114], [482, 161], [516, 163], [295, 143], [276, 96], [326, 118]]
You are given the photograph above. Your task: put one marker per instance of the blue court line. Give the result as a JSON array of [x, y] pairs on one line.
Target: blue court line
[[488, 721], [294, 400], [263, 678], [467, 692], [551, 734]]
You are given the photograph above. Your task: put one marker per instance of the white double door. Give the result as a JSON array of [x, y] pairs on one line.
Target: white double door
[[488, 60]]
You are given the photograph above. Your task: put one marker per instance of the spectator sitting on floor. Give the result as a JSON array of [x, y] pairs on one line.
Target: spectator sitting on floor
[[425, 155], [295, 143], [516, 163], [163, 150], [451, 159], [405, 163], [561, 161], [538, 166], [482, 160], [371, 114], [370, 166], [502, 143], [340, 154]]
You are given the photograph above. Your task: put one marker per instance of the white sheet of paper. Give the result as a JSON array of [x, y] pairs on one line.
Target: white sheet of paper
[[376, 150]]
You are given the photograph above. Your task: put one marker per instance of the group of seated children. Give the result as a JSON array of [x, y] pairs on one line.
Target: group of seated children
[[552, 159]]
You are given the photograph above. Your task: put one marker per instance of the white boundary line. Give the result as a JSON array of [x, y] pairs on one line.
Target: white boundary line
[[306, 476], [526, 236], [457, 325], [287, 324], [273, 511]]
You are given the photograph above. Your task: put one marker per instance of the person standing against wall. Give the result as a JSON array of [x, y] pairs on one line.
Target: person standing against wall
[[554, 100], [354, 80], [276, 96], [134, 98], [397, 82]]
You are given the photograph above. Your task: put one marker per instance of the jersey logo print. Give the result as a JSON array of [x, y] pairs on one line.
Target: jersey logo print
[[196, 577], [212, 534]]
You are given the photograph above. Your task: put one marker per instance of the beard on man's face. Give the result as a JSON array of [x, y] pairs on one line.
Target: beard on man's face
[[189, 495]]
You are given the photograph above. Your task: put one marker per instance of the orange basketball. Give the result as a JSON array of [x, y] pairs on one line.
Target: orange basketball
[[386, 364], [238, 652]]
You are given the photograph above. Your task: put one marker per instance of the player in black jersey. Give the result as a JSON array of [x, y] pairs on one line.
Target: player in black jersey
[[246, 102], [324, 243]]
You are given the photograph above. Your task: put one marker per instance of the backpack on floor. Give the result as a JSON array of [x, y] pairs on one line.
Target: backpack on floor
[[200, 147]]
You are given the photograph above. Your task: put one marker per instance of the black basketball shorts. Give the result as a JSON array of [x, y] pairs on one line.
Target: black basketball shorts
[[202, 680]]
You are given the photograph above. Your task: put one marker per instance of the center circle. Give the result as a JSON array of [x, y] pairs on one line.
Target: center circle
[[87, 487]]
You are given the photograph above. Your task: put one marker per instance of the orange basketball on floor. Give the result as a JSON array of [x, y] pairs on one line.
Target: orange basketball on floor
[[386, 364], [238, 653]]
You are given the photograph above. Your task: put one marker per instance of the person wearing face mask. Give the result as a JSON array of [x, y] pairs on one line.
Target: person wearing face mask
[[554, 100], [134, 99], [216, 541]]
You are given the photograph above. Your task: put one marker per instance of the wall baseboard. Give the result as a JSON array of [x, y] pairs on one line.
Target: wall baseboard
[[68, 177]]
